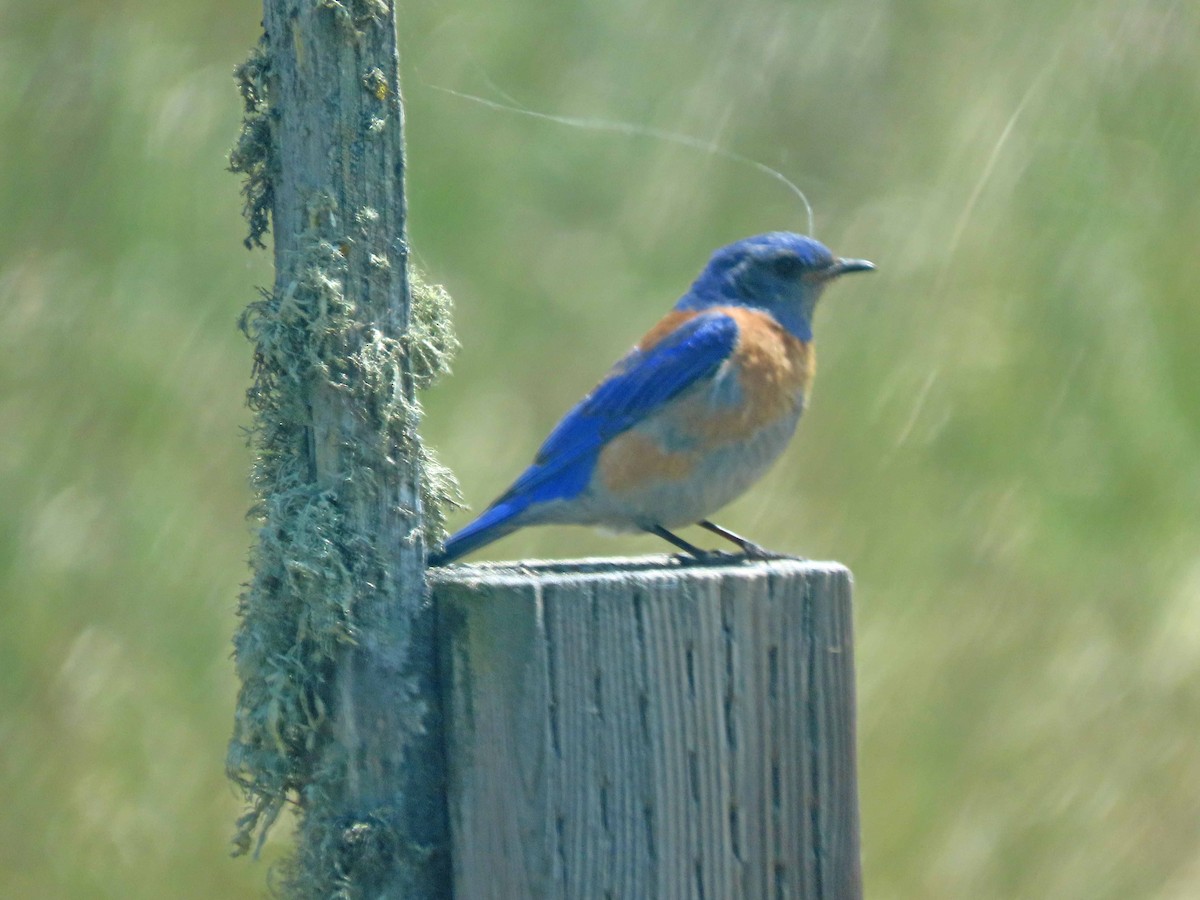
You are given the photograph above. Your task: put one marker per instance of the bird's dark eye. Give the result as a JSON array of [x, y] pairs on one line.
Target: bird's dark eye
[[787, 266]]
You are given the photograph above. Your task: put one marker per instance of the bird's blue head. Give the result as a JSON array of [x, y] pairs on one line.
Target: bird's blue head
[[779, 272]]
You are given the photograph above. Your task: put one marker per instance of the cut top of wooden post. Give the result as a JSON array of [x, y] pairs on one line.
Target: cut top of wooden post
[[640, 728]]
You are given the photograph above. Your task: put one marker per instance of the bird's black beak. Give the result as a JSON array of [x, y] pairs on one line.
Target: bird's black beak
[[842, 266]]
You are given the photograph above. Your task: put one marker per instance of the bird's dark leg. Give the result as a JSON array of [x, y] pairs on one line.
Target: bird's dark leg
[[690, 549], [751, 549]]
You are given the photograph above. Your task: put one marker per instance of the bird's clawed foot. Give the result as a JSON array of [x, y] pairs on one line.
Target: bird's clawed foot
[[750, 550], [711, 558], [693, 554]]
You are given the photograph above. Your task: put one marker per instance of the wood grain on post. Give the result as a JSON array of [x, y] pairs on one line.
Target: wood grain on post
[[631, 728]]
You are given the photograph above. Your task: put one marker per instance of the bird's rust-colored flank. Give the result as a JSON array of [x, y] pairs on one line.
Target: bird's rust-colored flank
[[631, 459]]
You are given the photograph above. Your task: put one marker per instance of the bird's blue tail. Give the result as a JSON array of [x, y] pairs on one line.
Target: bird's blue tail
[[494, 523]]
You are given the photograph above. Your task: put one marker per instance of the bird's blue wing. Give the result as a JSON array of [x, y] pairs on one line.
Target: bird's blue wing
[[637, 386]]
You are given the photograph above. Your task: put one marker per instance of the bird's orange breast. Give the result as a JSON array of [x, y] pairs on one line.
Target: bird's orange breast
[[775, 369], [773, 365], [773, 372]]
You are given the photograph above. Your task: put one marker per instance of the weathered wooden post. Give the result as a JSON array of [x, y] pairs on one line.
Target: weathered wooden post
[[338, 711], [633, 728], [614, 728]]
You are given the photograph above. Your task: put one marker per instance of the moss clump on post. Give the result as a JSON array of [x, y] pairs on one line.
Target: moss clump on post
[[430, 345], [252, 155]]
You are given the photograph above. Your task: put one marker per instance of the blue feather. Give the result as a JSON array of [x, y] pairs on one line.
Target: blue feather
[[496, 521]]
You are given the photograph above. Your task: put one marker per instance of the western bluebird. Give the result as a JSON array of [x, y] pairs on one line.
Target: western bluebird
[[693, 415]]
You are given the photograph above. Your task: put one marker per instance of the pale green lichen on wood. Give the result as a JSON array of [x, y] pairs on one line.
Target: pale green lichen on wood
[[335, 853], [309, 564], [430, 341], [299, 604], [253, 155], [431, 345], [355, 13], [376, 82]]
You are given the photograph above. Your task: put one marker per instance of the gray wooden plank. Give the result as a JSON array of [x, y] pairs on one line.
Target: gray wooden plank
[[636, 728]]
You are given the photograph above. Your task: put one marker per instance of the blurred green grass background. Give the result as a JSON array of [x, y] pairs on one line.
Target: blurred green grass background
[[1004, 442]]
